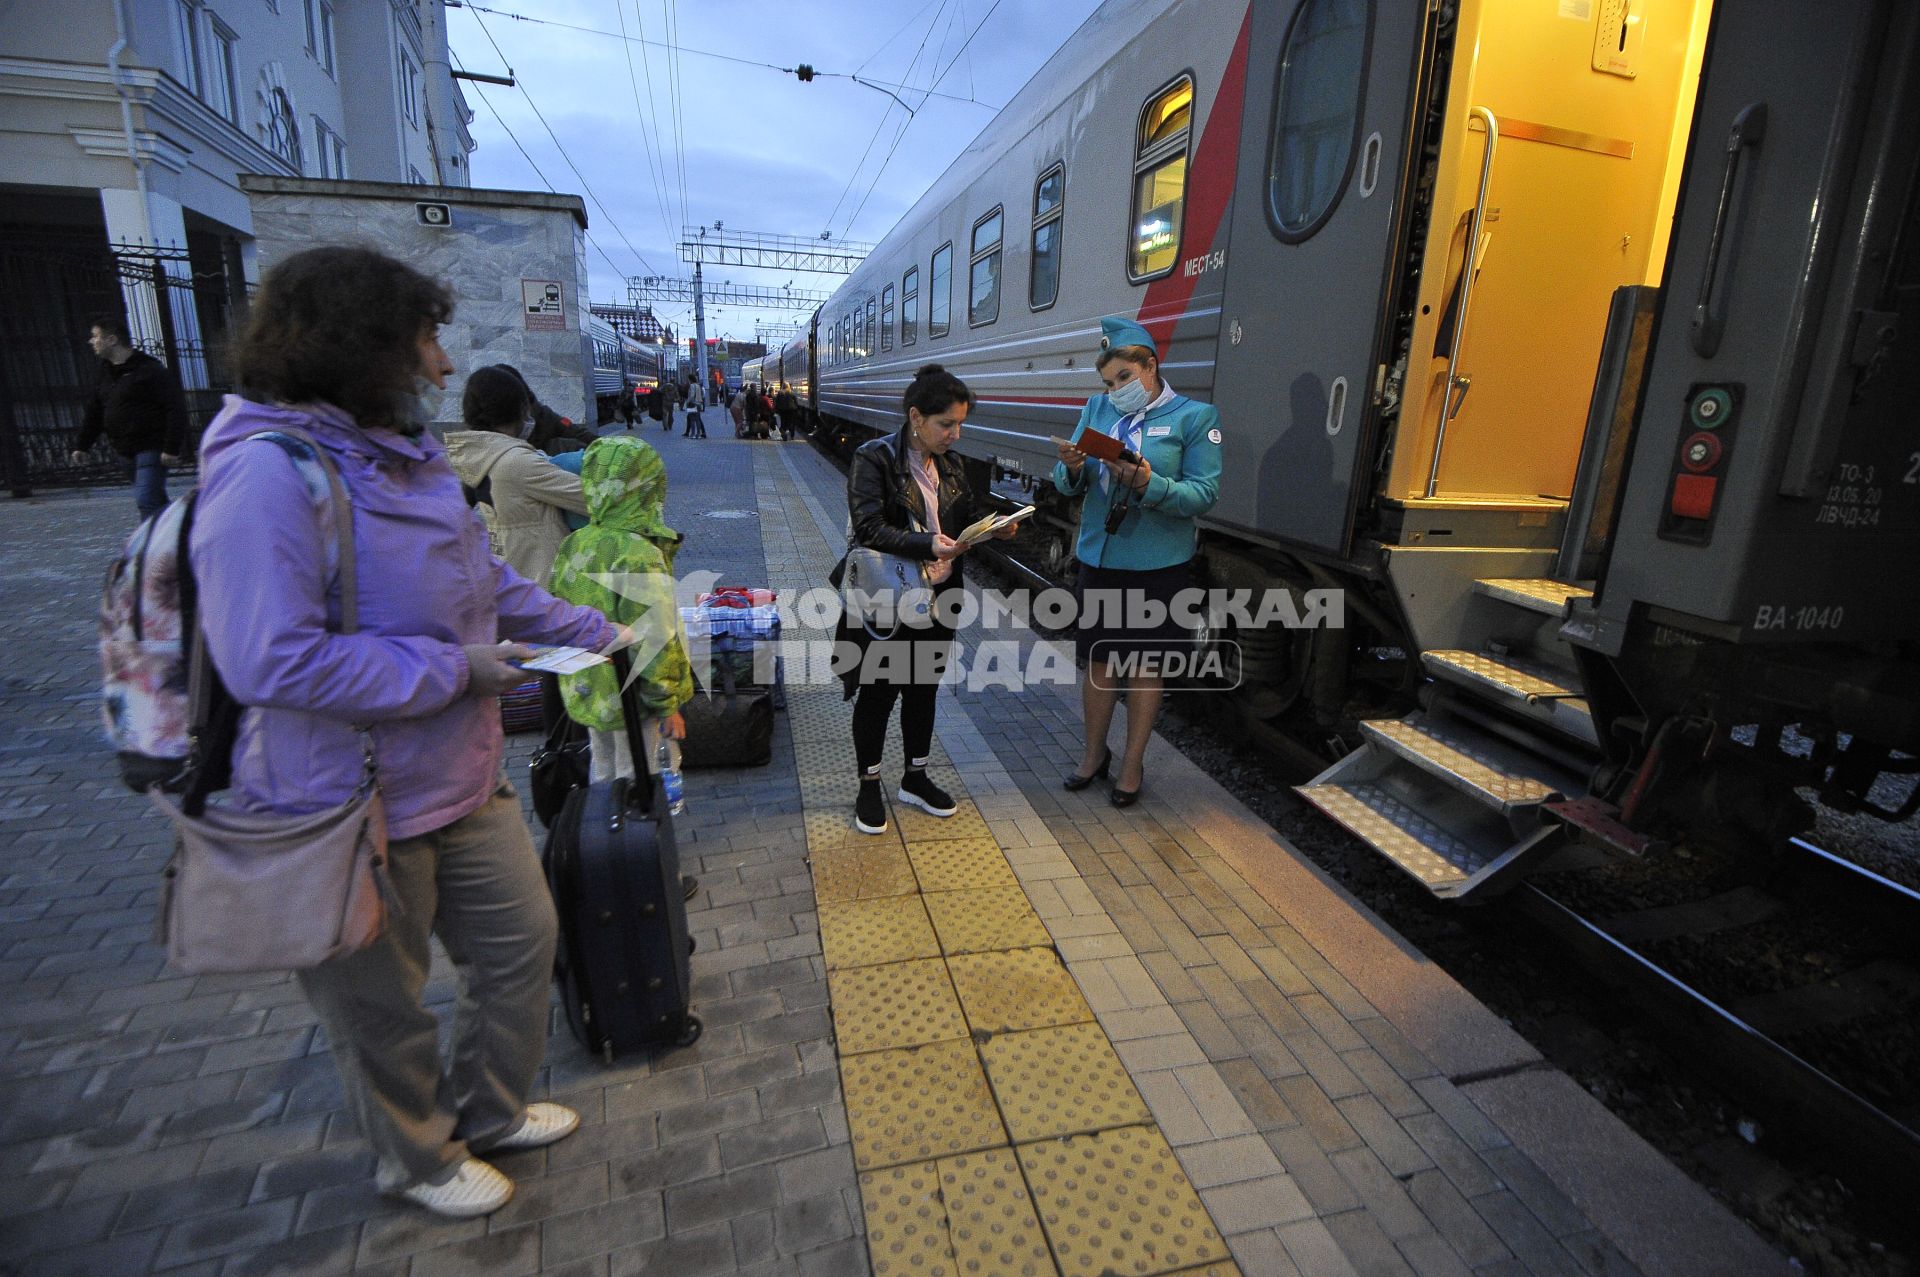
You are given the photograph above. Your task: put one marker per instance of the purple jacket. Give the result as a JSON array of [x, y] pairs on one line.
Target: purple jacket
[[263, 553]]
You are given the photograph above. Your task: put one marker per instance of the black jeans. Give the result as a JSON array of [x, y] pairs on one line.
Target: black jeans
[[874, 707]]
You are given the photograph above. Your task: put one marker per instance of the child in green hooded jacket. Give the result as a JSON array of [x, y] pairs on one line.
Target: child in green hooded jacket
[[622, 564]]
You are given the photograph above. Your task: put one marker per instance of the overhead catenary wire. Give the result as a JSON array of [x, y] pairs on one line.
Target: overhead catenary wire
[[909, 124], [654, 172], [881, 124], [605, 211], [506, 128], [709, 53]]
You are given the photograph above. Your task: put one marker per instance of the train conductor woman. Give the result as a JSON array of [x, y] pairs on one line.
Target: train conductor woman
[[1136, 542]]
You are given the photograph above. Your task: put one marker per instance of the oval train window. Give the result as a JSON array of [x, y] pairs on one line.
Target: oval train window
[[1318, 91]]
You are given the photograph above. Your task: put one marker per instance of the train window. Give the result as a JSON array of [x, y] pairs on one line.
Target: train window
[[1316, 114], [1160, 181], [910, 306], [886, 318], [983, 272], [940, 290], [1043, 283], [872, 345]]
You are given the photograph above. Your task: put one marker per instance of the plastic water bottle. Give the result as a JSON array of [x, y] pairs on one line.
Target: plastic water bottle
[[669, 779]]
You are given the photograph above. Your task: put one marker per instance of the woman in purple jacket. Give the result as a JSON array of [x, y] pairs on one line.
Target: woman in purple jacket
[[339, 342]]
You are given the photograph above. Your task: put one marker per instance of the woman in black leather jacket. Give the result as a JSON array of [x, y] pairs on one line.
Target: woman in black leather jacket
[[907, 496]]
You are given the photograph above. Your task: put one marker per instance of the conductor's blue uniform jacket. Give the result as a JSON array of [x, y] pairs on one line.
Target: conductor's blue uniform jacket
[[1181, 441]]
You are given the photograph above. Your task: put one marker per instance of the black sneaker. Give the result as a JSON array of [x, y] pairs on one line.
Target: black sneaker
[[870, 809], [917, 788]]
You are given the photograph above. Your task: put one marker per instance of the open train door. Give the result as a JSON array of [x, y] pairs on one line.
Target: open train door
[[1314, 253], [1774, 489]]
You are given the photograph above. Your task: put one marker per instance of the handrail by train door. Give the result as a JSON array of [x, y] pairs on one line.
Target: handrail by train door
[[1456, 385]]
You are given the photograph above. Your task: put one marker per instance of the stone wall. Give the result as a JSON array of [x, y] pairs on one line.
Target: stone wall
[[496, 240]]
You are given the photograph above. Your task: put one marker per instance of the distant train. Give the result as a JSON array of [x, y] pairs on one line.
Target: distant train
[[618, 360], [1579, 346]]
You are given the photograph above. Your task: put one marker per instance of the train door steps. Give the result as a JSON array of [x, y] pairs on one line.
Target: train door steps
[[1547, 597], [1449, 803], [1543, 692]]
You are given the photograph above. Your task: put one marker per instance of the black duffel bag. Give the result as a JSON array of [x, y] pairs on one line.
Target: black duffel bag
[[728, 726]]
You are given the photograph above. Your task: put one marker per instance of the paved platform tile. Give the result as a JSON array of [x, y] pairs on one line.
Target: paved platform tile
[[978, 921], [1061, 1081], [1116, 1203], [866, 870], [918, 1103], [959, 864], [866, 933], [990, 1216], [896, 1005], [1015, 989]]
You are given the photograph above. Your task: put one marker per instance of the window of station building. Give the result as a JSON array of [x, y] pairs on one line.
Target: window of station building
[[940, 290], [1160, 181], [1049, 207], [223, 72], [873, 310], [329, 149], [186, 30], [409, 88], [983, 270], [886, 318], [910, 306], [320, 33], [283, 129], [1316, 114]]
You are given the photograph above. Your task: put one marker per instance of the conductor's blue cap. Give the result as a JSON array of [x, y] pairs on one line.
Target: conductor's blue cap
[[1118, 330]]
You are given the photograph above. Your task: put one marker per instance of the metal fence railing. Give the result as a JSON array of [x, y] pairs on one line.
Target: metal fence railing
[[176, 303]]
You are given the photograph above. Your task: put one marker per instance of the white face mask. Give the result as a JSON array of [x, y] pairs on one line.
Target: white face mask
[[1129, 397]]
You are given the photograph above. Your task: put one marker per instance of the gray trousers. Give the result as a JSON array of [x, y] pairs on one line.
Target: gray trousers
[[476, 884]]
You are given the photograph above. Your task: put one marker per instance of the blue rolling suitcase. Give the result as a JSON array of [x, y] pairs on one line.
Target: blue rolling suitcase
[[624, 957]]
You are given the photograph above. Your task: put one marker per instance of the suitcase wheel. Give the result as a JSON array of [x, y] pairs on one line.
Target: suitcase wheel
[[689, 1031]]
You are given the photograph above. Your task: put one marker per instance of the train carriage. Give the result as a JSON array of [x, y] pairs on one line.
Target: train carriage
[[617, 361], [1573, 343]]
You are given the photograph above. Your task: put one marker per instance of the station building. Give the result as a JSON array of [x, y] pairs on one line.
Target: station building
[[125, 126]]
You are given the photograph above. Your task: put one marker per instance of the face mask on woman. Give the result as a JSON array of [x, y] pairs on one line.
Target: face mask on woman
[[1129, 397]]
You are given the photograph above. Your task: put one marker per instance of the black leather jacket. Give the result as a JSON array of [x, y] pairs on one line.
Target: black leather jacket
[[884, 500]]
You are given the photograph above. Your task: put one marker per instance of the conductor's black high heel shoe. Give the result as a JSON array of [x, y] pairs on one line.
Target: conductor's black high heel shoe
[[1074, 782], [1128, 797]]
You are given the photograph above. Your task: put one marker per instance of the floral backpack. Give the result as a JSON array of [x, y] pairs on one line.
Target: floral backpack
[[149, 628]]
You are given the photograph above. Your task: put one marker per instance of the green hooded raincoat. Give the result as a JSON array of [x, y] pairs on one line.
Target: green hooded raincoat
[[622, 564]]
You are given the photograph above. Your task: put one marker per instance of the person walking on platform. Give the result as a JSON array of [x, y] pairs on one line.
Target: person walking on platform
[[138, 406], [906, 496], [522, 496], [670, 401], [1137, 538], [621, 564], [336, 343], [737, 409]]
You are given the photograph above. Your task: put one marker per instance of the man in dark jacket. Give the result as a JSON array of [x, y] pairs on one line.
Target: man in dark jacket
[[137, 404]]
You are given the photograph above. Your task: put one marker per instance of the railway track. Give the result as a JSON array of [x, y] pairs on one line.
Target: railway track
[[1795, 990]]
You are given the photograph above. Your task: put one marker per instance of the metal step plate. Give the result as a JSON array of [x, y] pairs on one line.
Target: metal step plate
[[1549, 598], [1514, 676], [1468, 761], [1398, 832]]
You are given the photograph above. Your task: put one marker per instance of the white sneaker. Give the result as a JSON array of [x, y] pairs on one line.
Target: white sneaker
[[475, 1189], [546, 1124]]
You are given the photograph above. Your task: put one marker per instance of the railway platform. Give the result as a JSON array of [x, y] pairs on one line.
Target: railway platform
[[1042, 1036]]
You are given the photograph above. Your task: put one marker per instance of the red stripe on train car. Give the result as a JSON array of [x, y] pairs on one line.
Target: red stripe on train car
[[1214, 168]]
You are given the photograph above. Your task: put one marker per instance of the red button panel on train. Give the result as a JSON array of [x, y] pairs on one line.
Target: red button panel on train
[[1693, 496], [1700, 462]]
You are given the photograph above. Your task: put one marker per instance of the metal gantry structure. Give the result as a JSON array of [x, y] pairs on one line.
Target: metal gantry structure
[[715, 245]]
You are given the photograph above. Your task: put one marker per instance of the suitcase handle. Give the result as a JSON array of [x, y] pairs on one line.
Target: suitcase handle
[[645, 782]]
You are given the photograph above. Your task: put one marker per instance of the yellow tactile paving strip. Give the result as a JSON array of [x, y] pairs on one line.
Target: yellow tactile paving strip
[[994, 1128]]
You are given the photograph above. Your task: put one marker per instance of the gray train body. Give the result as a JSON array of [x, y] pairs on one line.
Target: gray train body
[[1577, 347]]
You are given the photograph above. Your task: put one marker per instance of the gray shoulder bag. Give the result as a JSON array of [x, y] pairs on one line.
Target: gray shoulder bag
[[260, 891], [882, 592]]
